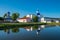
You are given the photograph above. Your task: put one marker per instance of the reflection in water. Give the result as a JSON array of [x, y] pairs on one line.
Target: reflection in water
[[35, 27], [15, 30], [36, 32], [29, 28], [7, 30], [57, 25], [42, 26]]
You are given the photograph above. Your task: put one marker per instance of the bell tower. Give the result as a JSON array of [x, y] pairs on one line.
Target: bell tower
[[8, 14], [38, 15]]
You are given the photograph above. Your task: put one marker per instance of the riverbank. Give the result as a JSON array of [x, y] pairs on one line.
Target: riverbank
[[53, 23], [9, 25], [12, 25]]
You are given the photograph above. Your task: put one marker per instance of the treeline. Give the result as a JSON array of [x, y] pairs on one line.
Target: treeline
[[14, 16]]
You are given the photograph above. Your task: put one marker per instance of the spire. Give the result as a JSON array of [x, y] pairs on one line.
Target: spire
[[8, 14], [37, 12]]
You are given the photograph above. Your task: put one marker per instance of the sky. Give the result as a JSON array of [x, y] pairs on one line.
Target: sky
[[48, 8]]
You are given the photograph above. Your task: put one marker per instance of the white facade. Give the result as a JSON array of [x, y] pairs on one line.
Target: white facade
[[24, 20], [29, 15], [48, 20], [9, 20], [43, 20], [57, 21]]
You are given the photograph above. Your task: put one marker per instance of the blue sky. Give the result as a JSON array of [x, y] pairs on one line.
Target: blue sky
[[48, 8]]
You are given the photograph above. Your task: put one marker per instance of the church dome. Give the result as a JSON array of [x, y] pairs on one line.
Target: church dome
[[38, 13]]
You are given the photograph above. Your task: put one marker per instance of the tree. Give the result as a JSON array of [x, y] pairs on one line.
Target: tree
[[35, 19], [5, 15], [1, 18], [15, 16], [24, 17]]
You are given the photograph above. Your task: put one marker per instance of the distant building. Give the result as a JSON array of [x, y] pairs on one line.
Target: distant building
[[43, 19], [8, 17], [57, 21], [49, 20], [30, 16], [27, 19], [40, 17]]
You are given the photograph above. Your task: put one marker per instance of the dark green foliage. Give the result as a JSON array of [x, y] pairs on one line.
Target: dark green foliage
[[24, 17], [35, 19], [16, 29], [15, 16], [1, 18], [5, 15]]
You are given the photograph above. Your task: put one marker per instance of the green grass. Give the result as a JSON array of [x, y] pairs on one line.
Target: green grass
[[53, 23], [12, 25], [9, 25]]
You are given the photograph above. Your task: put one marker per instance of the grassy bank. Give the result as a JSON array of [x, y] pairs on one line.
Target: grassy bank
[[9, 25], [53, 23], [12, 25]]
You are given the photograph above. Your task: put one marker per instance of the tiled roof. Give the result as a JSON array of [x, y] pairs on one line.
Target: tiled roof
[[24, 18]]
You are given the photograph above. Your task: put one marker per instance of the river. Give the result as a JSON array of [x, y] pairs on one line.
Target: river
[[36, 32]]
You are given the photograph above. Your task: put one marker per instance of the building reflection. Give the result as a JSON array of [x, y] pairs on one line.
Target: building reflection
[[35, 27], [38, 30], [28, 28], [40, 27]]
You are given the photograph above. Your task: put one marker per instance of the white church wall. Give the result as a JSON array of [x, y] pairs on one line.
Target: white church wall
[[43, 20], [57, 21], [28, 15]]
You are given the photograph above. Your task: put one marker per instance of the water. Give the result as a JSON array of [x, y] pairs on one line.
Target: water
[[37, 32]]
